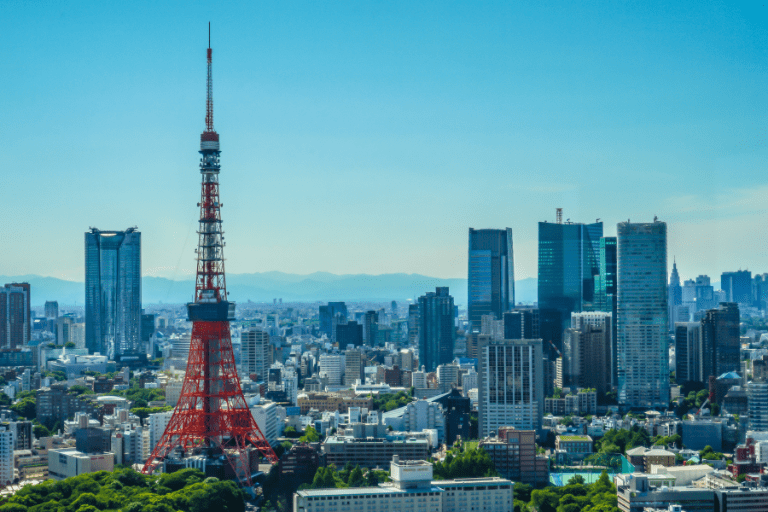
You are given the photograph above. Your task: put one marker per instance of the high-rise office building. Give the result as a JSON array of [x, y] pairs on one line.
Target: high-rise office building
[[331, 315], [511, 385], [437, 333], [354, 367], [588, 358], [737, 287], [147, 330], [349, 334], [757, 396], [370, 328], [760, 284], [51, 310], [569, 257], [491, 275], [606, 298], [413, 324], [255, 353], [643, 361], [605, 280], [698, 294], [113, 293], [674, 295], [521, 324], [15, 316], [720, 341], [688, 355]]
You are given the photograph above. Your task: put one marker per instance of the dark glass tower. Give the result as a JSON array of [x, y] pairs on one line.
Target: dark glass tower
[[720, 341], [491, 275], [113, 293], [737, 287], [569, 256], [436, 329]]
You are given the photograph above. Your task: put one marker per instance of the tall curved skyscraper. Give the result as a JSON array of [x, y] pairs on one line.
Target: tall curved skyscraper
[[113, 293]]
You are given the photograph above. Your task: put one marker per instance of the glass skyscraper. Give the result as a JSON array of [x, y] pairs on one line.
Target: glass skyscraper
[[643, 360], [113, 293], [437, 333], [491, 275], [569, 257]]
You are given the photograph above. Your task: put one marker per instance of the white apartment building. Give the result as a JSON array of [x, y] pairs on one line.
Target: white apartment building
[[255, 353], [469, 381], [419, 379], [157, 423], [265, 414], [7, 443], [173, 392], [332, 366], [418, 416], [66, 462], [511, 387], [412, 488]]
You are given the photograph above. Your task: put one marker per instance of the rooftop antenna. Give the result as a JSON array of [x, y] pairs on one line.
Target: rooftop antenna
[[209, 34]]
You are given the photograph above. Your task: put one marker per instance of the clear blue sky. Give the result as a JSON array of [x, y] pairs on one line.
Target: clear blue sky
[[368, 136]]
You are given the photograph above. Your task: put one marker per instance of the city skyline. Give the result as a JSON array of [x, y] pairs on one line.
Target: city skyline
[[491, 105]]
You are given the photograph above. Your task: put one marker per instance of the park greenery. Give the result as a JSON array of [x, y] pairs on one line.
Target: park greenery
[[388, 401], [461, 462], [691, 402], [310, 435], [574, 497], [125, 490], [709, 454], [349, 476], [619, 441]]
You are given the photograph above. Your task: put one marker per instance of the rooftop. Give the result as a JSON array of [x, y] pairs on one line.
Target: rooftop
[[574, 438]]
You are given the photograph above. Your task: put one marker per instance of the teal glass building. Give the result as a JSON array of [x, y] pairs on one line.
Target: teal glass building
[[569, 263], [491, 274]]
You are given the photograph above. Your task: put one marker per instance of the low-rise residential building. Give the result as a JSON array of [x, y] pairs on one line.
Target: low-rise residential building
[[635, 494], [67, 462], [31, 465], [572, 448], [514, 456], [331, 402], [372, 452]]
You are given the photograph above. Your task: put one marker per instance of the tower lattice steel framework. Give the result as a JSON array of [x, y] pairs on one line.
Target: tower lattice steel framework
[[212, 416]]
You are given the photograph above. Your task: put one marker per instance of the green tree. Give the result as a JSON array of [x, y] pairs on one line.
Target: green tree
[[310, 435], [25, 408]]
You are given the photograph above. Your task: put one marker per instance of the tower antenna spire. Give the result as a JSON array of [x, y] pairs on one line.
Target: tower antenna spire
[[209, 99]]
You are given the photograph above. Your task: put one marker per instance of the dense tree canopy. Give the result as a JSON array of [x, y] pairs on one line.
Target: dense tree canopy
[[128, 491]]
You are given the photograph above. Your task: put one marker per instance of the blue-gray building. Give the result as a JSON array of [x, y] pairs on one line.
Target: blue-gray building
[[643, 330], [113, 293], [437, 333], [491, 274], [700, 433], [332, 314]]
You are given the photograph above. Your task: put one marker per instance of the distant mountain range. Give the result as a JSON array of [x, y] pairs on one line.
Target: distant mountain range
[[265, 286]]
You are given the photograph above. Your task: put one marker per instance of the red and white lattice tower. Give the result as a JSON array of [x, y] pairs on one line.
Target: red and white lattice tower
[[212, 417]]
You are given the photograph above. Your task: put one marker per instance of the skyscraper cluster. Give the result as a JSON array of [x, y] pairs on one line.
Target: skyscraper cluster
[[602, 317]]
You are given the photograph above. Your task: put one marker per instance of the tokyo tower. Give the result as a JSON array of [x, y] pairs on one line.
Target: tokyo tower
[[211, 418]]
